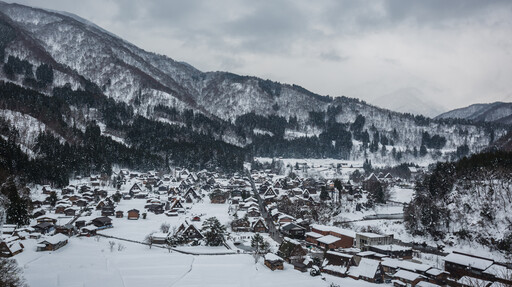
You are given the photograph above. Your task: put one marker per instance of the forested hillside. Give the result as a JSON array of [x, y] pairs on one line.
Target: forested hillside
[[467, 200]]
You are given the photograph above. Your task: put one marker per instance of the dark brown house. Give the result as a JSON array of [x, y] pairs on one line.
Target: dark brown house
[[273, 262], [133, 214], [9, 249], [259, 226], [291, 251], [102, 222], [52, 243]]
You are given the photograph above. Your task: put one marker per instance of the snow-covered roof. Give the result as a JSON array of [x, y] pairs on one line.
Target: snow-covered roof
[[366, 268], [335, 229], [313, 234], [404, 264], [272, 257], [15, 246], [426, 284], [328, 239], [435, 272], [339, 254], [336, 268], [55, 239], [471, 281], [499, 271], [469, 261], [160, 235], [406, 275], [370, 235], [391, 247]]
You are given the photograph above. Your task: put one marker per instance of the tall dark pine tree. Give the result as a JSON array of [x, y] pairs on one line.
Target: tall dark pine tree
[[44, 74], [17, 208]]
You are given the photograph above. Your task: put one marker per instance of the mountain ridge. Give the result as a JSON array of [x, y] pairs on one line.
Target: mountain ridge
[[497, 112], [109, 83]]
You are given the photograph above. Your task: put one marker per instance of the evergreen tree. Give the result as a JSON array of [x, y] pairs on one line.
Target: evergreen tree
[[423, 150], [17, 208], [367, 166], [213, 232], [44, 74], [52, 198], [259, 244], [324, 195]]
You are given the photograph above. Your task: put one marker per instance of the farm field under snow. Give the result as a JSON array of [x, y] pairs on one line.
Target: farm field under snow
[[88, 262], [139, 229]]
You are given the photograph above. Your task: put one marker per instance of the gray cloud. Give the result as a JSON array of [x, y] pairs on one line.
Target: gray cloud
[[456, 52]]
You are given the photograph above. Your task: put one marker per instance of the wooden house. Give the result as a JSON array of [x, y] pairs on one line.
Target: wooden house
[[192, 233], [291, 251], [462, 264], [293, 230], [102, 222], [189, 231], [273, 262], [368, 270], [108, 210], [159, 238], [135, 189], [119, 214], [47, 218], [133, 214], [407, 277], [10, 248], [339, 259], [44, 227], [391, 250], [259, 226], [176, 205], [240, 225], [66, 229], [52, 243]]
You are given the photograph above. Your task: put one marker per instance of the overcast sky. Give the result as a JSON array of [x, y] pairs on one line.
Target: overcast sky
[[454, 52]]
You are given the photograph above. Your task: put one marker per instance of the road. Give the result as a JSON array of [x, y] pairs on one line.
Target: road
[[272, 230]]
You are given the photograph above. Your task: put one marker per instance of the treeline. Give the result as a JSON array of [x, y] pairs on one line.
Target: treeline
[[433, 210], [148, 144]]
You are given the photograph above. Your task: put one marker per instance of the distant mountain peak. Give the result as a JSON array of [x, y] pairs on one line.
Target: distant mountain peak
[[408, 100]]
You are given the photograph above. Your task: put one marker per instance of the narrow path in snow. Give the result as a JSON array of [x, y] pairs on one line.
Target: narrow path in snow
[[185, 274]]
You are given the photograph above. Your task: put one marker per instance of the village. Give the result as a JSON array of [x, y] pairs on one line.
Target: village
[[285, 222]]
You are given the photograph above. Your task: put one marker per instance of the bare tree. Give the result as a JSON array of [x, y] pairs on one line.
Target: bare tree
[[165, 227], [11, 274], [111, 244], [149, 239]]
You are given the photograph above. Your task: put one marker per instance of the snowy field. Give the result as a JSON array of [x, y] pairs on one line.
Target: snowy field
[[139, 229], [404, 195], [89, 262]]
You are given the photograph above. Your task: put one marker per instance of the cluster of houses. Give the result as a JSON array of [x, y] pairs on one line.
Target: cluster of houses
[[365, 256], [337, 251], [391, 263], [60, 213]]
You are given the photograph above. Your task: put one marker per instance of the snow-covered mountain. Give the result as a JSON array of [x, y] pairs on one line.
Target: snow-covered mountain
[[497, 112], [126, 72], [409, 100], [86, 57]]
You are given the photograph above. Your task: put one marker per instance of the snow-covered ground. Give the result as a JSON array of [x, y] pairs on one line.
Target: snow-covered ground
[[139, 229], [90, 262], [401, 194]]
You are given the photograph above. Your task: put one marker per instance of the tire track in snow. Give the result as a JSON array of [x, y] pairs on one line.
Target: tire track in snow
[[185, 274]]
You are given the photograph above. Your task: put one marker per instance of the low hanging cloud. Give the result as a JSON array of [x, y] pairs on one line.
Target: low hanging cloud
[[455, 52]]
